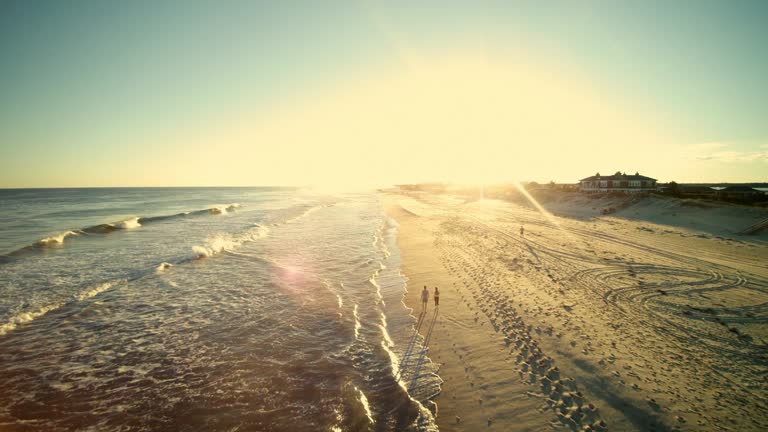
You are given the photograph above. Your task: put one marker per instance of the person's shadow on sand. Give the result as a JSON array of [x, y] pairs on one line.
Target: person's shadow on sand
[[423, 354]]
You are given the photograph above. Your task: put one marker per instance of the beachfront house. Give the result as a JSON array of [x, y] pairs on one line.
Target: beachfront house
[[619, 182]]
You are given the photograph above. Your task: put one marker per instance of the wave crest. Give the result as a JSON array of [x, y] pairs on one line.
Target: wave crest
[[30, 315], [98, 289], [224, 209], [214, 246], [227, 242], [129, 223], [57, 239], [26, 316], [163, 267], [106, 228]]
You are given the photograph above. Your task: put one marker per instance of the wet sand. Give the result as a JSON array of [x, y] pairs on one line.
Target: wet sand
[[604, 324]]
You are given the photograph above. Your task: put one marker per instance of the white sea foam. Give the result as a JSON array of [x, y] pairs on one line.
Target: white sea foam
[[27, 316], [379, 242], [56, 239], [358, 326], [98, 289], [127, 224], [224, 209], [384, 332], [394, 361], [257, 232], [376, 285], [130, 223], [402, 371], [306, 213], [212, 247], [162, 267], [387, 344], [227, 242], [365, 404]]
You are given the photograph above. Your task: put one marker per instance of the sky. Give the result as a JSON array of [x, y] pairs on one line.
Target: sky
[[371, 93]]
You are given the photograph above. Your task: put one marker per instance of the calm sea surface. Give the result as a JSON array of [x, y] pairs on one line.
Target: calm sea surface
[[205, 309]]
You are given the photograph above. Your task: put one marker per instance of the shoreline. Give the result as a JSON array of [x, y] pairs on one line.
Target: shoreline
[[467, 400], [542, 332]]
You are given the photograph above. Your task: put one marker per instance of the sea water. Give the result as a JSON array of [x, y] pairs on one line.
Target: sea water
[[206, 309]]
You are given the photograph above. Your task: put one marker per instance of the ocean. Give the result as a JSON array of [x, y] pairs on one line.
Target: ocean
[[217, 309]]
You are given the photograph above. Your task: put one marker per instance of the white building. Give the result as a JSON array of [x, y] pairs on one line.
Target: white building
[[617, 183]]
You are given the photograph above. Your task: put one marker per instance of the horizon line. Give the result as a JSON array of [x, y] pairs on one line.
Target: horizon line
[[320, 187]]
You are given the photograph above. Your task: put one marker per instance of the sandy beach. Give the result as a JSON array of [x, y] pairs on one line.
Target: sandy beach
[[585, 324]]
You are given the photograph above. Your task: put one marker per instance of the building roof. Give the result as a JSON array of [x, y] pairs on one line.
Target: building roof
[[740, 189], [618, 176]]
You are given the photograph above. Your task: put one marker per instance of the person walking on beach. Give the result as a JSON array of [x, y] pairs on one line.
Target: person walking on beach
[[522, 231], [424, 298], [437, 297]]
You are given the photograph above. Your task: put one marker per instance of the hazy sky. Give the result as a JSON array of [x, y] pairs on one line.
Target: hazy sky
[[155, 93]]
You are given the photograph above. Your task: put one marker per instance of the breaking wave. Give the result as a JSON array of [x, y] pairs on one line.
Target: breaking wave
[[98, 289], [307, 212], [224, 209], [214, 245], [30, 315], [55, 239], [303, 214], [163, 267], [228, 242], [26, 316], [127, 224]]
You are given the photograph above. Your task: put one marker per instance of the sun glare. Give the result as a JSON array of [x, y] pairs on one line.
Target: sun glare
[[454, 120]]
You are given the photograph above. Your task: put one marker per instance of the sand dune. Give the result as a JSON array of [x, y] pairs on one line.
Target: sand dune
[[606, 324], [679, 216]]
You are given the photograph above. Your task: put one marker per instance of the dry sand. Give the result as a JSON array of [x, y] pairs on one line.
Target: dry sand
[[693, 216], [602, 324]]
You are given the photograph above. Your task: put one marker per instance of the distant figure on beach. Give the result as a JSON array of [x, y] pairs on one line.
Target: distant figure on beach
[[424, 297], [522, 231], [437, 297]]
